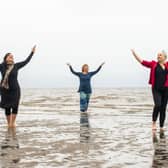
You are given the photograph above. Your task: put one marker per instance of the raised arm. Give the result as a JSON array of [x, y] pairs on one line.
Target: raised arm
[[71, 69], [147, 64], [98, 69], [27, 60], [136, 56]]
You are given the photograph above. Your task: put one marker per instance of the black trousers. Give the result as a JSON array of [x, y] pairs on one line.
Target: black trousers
[[9, 111], [160, 98]]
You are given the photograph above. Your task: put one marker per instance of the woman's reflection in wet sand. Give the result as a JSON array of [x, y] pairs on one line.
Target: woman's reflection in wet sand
[[10, 149], [160, 158], [84, 128], [84, 134]]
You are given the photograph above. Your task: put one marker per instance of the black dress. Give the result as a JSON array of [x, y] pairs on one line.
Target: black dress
[[10, 97]]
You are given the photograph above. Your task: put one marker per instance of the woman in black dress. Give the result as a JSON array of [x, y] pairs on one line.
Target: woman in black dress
[[10, 89]]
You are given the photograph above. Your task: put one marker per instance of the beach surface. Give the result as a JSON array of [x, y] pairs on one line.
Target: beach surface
[[115, 133]]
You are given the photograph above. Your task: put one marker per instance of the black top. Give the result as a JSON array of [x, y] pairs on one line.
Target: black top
[[10, 97], [160, 77]]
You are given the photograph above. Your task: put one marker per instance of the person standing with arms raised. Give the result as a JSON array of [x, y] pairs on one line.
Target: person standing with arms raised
[[159, 81], [10, 89], [85, 88]]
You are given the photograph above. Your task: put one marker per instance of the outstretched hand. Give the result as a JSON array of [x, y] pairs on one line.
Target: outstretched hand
[[34, 49], [133, 51], [136, 56], [69, 64], [102, 64]]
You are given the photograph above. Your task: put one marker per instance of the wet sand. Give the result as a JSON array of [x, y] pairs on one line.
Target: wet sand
[[51, 132]]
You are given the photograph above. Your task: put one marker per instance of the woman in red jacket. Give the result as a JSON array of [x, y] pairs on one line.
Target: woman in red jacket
[[159, 81]]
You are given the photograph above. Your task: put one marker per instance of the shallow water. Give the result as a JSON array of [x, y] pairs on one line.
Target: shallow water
[[51, 132]]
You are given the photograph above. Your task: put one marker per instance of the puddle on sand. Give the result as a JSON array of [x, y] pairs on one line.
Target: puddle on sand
[[116, 131]]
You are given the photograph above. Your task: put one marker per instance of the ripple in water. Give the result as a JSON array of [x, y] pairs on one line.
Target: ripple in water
[[116, 131]]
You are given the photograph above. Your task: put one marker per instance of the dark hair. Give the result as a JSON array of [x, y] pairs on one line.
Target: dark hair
[[4, 59]]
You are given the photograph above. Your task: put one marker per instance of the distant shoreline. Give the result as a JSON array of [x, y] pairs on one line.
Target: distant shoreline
[[96, 88]]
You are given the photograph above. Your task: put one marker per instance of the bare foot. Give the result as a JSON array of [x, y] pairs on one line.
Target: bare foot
[[161, 129], [13, 126], [8, 126], [154, 126]]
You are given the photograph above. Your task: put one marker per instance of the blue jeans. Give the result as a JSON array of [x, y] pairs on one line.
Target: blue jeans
[[84, 101]]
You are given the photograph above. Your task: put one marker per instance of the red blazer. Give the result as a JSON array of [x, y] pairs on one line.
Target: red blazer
[[152, 65]]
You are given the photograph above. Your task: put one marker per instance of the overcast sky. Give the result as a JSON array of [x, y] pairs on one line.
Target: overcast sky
[[83, 31]]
